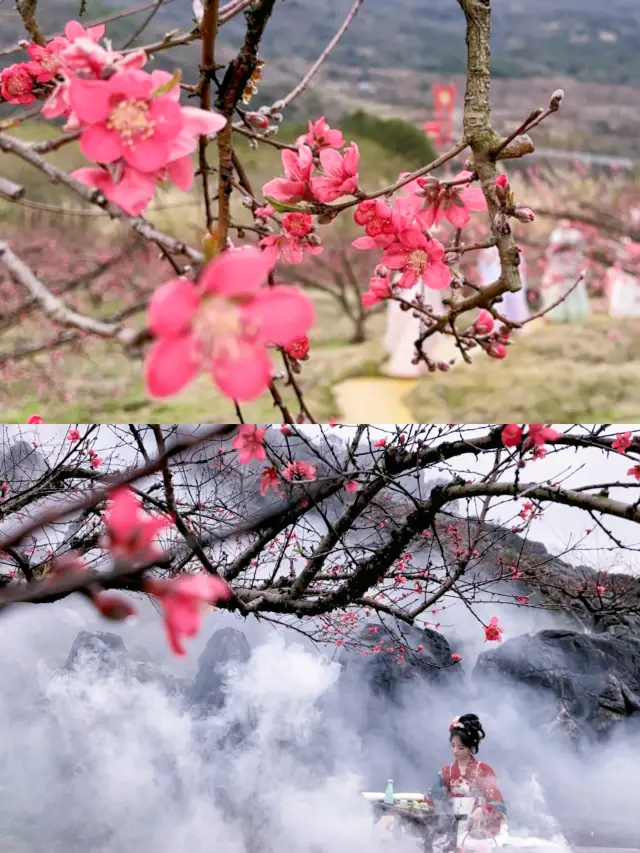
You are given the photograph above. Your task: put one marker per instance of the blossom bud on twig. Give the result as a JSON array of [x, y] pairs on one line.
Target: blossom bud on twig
[[556, 99], [502, 189], [523, 213]]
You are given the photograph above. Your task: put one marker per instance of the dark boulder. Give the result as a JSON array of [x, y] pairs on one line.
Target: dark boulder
[[227, 650], [592, 680]]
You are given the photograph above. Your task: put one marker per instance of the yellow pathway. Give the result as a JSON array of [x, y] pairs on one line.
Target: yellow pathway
[[383, 399], [374, 399]]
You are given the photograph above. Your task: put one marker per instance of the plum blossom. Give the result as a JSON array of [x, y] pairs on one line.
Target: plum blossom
[[299, 470], [419, 258], [320, 135], [379, 289], [250, 443], [295, 185], [444, 201], [183, 601], [340, 174], [493, 631], [131, 532], [511, 435], [16, 84], [224, 323]]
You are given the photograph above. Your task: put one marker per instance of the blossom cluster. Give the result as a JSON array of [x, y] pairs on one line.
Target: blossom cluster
[[131, 122]]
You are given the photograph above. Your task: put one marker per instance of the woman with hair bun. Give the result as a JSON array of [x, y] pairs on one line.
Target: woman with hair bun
[[468, 777]]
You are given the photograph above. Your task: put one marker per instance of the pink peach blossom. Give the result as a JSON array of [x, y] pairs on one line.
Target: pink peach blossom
[[224, 322], [16, 84], [132, 191], [250, 443], [295, 185], [46, 62], [320, 135], [131, 532], [299, 470], [454, 203], [379, 289], [419, 258], [183, 601], [340, 174], [125, 120]]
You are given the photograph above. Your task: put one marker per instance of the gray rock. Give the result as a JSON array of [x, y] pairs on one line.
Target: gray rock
[[593, 680], [227, 650]]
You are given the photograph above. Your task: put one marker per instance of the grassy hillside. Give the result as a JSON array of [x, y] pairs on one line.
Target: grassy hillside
[[590, 40]]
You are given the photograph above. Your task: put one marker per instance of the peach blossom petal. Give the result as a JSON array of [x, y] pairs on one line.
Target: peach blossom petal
[[245, 376], [282, 314], [171, 364], [180, 171], [237, 272], [89, 99], [172, 308], [437, 276], [202, 122], [100, 144]]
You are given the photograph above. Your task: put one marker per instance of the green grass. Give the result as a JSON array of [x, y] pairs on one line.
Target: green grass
[[558, 373]]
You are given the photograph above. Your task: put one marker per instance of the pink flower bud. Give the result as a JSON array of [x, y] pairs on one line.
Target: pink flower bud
[[497, 350], [523, 213], [114, 607], [502, 189], [382, 271], [257, 120], [484, 323]]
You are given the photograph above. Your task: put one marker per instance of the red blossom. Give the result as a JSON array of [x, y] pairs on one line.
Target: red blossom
[[622, 442], [250, 443], [183, 601], [493, 631]]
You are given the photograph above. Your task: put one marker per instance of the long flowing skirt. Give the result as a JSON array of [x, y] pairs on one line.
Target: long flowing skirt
[[403, 329]]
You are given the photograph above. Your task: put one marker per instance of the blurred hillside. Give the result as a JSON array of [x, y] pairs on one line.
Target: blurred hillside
[[393, 51], [587, 39]]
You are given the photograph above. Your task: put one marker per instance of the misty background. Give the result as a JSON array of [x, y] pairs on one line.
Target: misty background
[[262, 739]]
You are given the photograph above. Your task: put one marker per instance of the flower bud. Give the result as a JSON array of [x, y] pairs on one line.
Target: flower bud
[[523, 213], [114, 607], [382, 271], [556, 99], [497, 350], [257, 120], [484, 323], [502, 188]]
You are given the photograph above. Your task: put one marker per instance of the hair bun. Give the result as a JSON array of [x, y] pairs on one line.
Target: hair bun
[[469, 729]]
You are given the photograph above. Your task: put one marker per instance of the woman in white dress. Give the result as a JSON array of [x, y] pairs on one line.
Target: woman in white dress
[[403, 329], [514, 305], [565, 261], [622, 286]]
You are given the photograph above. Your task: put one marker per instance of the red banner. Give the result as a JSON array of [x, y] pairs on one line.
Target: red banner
[[444, 99]]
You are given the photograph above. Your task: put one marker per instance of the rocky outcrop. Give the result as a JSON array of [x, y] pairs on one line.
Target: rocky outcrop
[[227, 650], [592, 680], [107, 653]]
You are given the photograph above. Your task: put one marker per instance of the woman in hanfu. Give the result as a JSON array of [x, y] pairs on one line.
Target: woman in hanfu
[[565, 262], [468, 777]]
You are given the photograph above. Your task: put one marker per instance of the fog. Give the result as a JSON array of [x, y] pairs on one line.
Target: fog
[[92, 760]]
